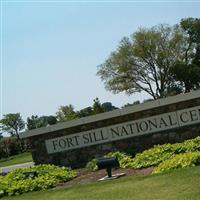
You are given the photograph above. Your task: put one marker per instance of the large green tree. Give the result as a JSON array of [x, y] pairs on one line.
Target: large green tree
[[187, 71], [12, 123], [143, 61]]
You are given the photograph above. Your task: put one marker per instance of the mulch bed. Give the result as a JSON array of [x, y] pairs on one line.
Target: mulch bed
[[85, 176]]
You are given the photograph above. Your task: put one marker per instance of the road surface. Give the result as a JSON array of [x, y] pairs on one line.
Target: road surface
[[11, 167]]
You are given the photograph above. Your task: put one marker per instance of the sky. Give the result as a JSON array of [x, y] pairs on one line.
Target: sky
[[50, 50]]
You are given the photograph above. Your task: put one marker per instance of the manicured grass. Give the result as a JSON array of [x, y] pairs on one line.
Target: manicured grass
[[180, 184], [12, 160]]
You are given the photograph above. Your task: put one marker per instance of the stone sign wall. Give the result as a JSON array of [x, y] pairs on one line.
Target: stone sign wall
[[130, 129]]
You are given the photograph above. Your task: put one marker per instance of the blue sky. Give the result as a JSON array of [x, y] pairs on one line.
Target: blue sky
[[51, 50]]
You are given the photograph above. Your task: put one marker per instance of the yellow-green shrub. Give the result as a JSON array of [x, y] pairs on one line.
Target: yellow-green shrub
[[17, 182], [153, 156], [183, 160], [160, 153]]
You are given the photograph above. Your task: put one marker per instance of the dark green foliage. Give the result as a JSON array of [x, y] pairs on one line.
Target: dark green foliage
[[131, 104], [38, 122], [85, 112], [51, 120], [17, 182], [187, 71], [67, 113], [107, 106], [187, 74], [12, 146], [97, 107]]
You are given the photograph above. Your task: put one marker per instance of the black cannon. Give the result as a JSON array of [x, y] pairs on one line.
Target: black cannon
[[108, 163]]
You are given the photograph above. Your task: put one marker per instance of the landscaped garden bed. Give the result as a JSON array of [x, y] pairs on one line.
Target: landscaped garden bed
[[158, 159]]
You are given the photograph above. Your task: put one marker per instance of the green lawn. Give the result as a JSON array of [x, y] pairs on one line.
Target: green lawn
[[181, 184], [12, 160]]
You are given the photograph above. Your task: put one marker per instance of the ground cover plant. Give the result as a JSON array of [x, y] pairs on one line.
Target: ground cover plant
[[160, 153], [157, 155], [179, 161], [182, 184], [42, 177]]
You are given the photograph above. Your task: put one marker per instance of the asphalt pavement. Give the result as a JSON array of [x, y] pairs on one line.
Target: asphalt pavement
[[4, 170]]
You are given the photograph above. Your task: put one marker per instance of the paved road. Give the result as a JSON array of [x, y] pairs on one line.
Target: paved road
[[11, 167]]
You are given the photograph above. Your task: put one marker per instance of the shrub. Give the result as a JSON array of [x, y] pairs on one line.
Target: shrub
[[153, 156], [179, 161], [11, 146], [92, 165], [160, 153], [17, 182]]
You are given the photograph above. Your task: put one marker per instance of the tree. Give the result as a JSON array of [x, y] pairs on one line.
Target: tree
[[187, 71], [143, 61], [51, 120], [32, 122], [131, 104], [66, 113], [97, 107], [38, 122], [85, 112], [12, 123], [107, 106]]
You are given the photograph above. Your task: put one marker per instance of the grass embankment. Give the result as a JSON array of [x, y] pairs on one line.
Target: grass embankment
[[17, 159], [182, 184]]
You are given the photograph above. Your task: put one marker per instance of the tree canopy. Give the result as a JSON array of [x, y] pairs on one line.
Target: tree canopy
[[37, 122], [12, 123], [144, 61], [187, 71]]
